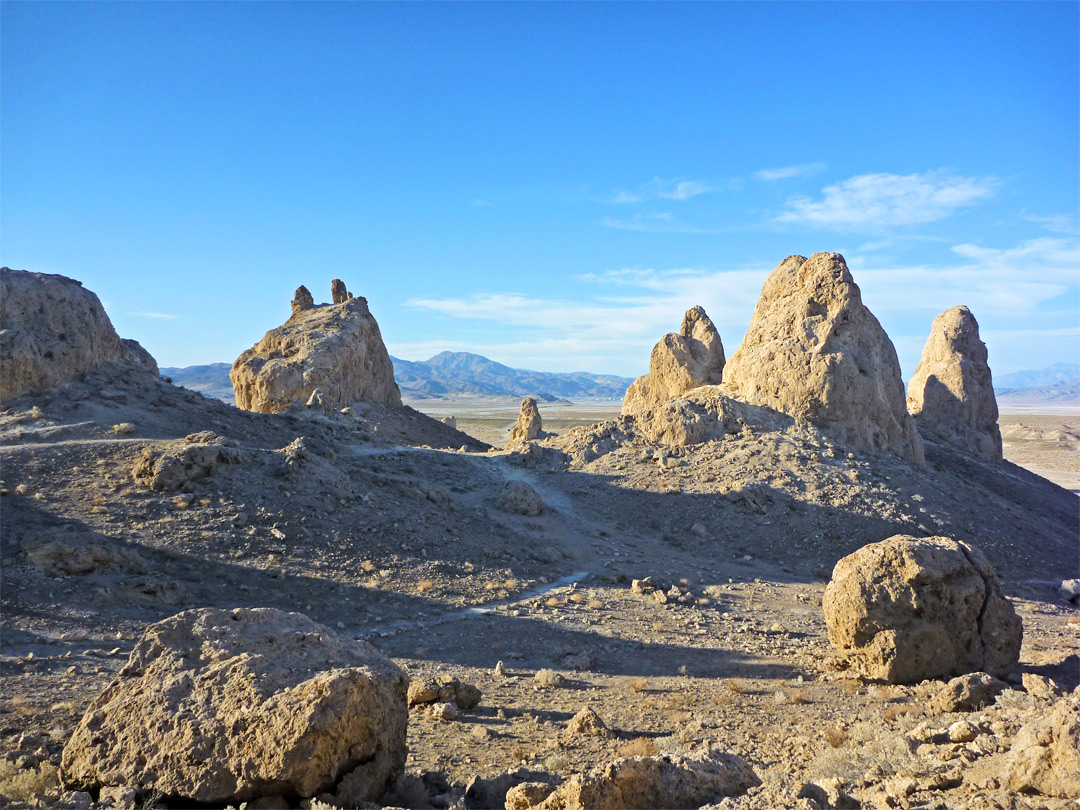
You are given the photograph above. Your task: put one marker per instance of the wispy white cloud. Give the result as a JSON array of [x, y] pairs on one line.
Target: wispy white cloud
[[683, 190], [659, 188], [159, 315], [787, 172], [623, 197], [880, 201], [1068, 224], [654, 222]]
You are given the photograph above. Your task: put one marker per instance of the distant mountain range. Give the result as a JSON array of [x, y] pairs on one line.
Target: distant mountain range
[[1059, 393], [445, 374], [1059, 372]]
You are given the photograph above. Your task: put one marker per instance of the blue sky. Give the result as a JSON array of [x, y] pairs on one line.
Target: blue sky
[[550, 185]]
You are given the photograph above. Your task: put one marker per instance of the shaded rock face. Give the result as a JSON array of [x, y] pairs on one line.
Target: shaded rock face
[[909, 609], [529, 426], [679, 363], [813, 350], [53, 329], [302, 300], [951, 394], [196, 456], [338, 293], [337, 348], [642, 783], [519, 498], [227, 706]]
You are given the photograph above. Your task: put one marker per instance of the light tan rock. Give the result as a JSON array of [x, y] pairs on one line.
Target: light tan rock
[[302, 300], [1045, 754], [644, 783], [333, 347], [909, 609], [526, 795], [339, 294], [679, 362], [519, 498], [951, 394], [529, 426], [52, 329], [588, 723], [813, 350], [966, 693], [227, 706], [703, 414], [189, 459]]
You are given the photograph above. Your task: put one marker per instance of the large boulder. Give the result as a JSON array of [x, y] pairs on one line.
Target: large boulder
[[951, 394], [909, 609], [336, 348], [813, 350], [679, 363], [704, 414], [52, 329], [643, 783], [227, 706], [529, 425]]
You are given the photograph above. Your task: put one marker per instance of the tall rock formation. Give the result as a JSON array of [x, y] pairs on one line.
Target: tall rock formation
[[333, 347], [529, 426], [814, 351], [951, 394], [53, 329], [679, 363]]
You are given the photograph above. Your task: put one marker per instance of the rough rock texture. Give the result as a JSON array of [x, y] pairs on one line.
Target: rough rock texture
[[529, 425], [444, 689], [588, 723], [519, 498], [1045, 756], [951, 394], [670, 780], [196, 456], [338, 292], [679, 363], [53, 329], [67, 551], [334, 347], [814, 350], [966, 693], [302, 300], [908, 609], [703, 414], [226, 706]]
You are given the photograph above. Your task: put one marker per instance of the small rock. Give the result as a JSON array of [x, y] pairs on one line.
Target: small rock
[[1040, 688], [699, 530], [962, 731], [588, 723], [1070, 590], [967, 693], [444, 711]]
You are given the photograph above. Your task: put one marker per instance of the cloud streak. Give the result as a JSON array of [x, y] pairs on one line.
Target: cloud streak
[[788, 172], [159, 315], [875, 202]]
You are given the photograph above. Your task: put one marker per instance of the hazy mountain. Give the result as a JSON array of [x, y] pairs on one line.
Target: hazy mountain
[[465, 373], [1059, 372], [212, 380], [447, 373], [1059, 393]]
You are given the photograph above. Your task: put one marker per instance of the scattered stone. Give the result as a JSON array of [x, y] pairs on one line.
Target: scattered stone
[[500, 670], [445, 689], [679, 362], [226, 706], [670, 780], [962, 731], [118, 797], [337, 349], [55, 330], [951, 394], [814, 351], [966, 693], [588, 723], [909, 609], [1070, 590], [519, 498], [444, 711], [699, 530], [529, 426], [1040, 687]]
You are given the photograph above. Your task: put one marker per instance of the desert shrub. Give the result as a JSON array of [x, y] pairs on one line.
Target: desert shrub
[[123, 429], [638, 747], [549, 678], [23, 785]]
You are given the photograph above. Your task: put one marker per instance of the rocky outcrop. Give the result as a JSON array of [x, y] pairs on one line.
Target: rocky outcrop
[[679, 363], [302, 300], [642, 783], [909, 609], [951, 394], [52, 329], [336, 348], [703, 414], [228, 706], [814, 351], [529, 426], [338, 292], [189, 459], [1045, 755]]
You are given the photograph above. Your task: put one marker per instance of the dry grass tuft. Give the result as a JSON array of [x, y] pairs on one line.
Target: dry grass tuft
[[835, 736], [892, 712], [737, 685], [40, 784], [123, 429], [639, 685], [639, 747], [549, 678], [424, 585], [799, 696], [594, 604]]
